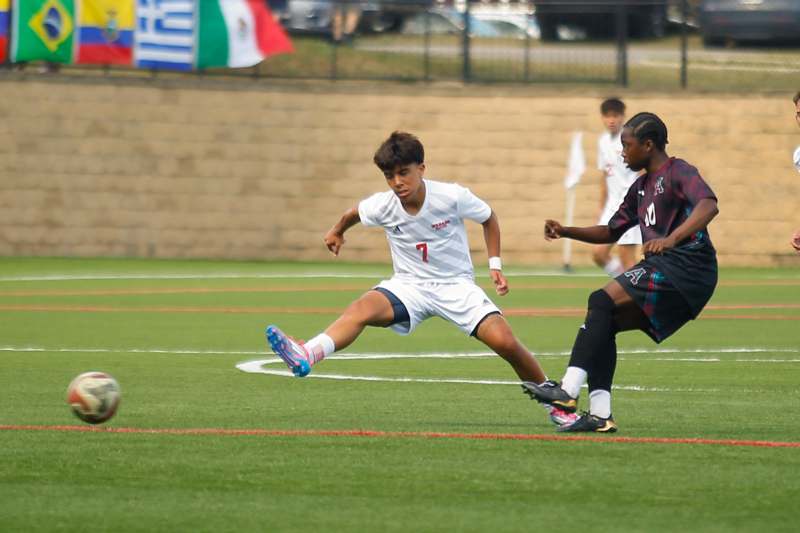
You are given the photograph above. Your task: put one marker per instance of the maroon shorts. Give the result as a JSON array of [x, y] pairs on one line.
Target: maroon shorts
[[662, 303]]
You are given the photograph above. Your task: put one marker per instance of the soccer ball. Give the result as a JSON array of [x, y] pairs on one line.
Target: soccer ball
[[93, 397]]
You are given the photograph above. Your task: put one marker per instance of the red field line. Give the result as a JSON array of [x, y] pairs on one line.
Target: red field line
[[168, 309], [184, 290], [404, 435], [729, 307], [750, 317], [530, 312], [760, 283]]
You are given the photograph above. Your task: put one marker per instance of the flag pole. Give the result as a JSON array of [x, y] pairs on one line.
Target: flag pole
[[576, 166], [570, 208]]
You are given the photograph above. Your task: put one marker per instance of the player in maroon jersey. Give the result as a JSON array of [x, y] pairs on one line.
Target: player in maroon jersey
[[673, 206]]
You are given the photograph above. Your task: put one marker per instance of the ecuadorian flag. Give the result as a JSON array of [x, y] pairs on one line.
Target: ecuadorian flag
[[105, 32], [5, 8]]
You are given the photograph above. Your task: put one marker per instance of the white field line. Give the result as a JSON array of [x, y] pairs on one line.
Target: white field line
[[257, 367], [452, 355], [246, 275]]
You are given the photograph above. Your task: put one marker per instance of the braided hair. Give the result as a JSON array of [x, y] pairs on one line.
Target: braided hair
[[645, 126]]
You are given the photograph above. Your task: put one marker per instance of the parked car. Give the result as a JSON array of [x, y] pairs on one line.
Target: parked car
[[448, 21], [597, 18], [724, 21], [511, 20], [315, 16], [308, 16]]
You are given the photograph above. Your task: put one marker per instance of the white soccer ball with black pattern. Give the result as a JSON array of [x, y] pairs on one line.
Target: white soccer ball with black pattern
[[94, 397]]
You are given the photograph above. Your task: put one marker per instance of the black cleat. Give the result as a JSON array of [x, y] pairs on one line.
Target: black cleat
[[592, 423], [551, 393]]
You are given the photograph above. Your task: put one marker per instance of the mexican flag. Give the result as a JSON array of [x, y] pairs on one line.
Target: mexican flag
[[237, 33]]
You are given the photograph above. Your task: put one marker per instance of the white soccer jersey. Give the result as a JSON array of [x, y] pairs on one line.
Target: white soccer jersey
[[431, 245], [619, 177], [796, 158]]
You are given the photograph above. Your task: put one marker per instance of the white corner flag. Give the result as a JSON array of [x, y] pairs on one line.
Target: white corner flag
[[576, 166]]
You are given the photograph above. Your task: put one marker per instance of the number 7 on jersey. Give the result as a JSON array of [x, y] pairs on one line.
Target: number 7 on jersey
[[423, 246]]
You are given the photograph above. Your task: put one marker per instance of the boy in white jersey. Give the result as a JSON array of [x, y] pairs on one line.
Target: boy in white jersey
[[424, 225], [615, 181], [796, 160]]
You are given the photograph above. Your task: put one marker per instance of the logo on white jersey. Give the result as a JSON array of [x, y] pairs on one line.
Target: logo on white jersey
[[635, 275], [397, 230], [439, 225]]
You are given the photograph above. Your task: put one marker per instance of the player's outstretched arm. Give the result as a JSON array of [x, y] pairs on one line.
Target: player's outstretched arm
[[796, 241], [491, 234], [334, 239], [591, 234], [703, 213]]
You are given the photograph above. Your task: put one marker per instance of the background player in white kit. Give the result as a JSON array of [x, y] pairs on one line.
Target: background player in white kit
[[615, 181], [796, 159], [433, 276]]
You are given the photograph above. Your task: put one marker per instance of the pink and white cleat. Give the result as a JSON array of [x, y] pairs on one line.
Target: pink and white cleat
[[293, 353], [560, 417]]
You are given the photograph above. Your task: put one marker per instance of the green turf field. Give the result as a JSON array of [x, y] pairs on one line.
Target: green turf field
[[172, 334]]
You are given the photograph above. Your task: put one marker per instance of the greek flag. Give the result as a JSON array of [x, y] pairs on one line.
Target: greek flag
[[165, 34]]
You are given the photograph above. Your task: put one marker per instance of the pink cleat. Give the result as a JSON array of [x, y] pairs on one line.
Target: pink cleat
[[560, 417], [293, 353]]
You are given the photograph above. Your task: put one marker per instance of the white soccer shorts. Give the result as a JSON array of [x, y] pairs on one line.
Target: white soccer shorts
[[632, 236], [461, 302]]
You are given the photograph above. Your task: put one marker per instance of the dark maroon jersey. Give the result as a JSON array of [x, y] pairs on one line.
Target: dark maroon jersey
[[662, 201], [659, 203]]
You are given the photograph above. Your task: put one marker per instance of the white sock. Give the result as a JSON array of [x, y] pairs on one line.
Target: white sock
[[573, 380], [600, 403], [614, 267], [320, 347]]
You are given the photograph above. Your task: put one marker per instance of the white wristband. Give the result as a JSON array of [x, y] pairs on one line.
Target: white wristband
[[495, 263]]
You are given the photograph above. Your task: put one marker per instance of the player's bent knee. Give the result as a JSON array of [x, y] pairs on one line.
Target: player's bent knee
[[510, 346], [600, 256], [495, 332], [600, 300], [505, 347]]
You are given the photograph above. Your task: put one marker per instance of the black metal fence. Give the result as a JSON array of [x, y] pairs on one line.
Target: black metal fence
[[646, 44], [528, 41]]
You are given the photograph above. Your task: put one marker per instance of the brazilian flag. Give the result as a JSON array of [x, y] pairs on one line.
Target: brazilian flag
[[43, 30]]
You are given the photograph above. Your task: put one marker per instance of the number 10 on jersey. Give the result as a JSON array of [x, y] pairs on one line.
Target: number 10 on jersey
[[649, 216]]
